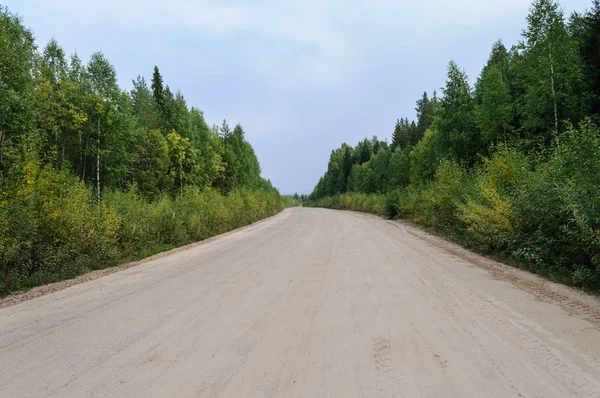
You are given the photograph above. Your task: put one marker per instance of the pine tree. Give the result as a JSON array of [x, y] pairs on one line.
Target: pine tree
[[458, 135], [426, 110], [586, 31], [499, 58], [494, 111], [225, 130], [396, 135], [158, 89], [145, 108], [363, 152], [346, 165]]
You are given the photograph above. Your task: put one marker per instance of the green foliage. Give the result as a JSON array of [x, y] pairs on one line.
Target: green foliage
[[489, 214], [585, 29], [366, 203], [144, 106], [91, 175], [500, 168], [18, 54], [51, 226], [426, 111], [558, 206], [424, 158], [551, 70], [541, 211], [458, 134], [291, 200], [108, 137], [435, 204], [158, 90], [399, 168], [494, 111], [403, 135], [363, 152], [152, 163]]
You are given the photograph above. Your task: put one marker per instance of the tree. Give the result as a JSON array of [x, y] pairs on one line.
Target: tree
[[551, 72], [333, 178], [399, 168], [152, 163], [458, 135], [144, 107], [158, 89], [363, 151], [401, 138], [375, 144], [185, 168], [241, 168], [224, 130], [208, 144], [59, 101], [16, 80], [355, 179], [494, 111], [424, 158], [177, 115], [426, 110], [585, 29], [500, 59], [103, 110], [378, 173], [347, 164]]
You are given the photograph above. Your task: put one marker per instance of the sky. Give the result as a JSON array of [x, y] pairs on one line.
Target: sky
[[301, 76]]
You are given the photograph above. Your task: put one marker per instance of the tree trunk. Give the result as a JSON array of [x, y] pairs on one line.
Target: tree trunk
[[87, 147], [64, 143], [80, 155], [181, 176], [2, 136], [98, 163], [553, 91]]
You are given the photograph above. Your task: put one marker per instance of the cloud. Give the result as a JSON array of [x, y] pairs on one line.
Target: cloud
[[298, 43]]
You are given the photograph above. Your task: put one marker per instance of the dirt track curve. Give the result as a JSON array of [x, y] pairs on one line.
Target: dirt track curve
[[311, 303]]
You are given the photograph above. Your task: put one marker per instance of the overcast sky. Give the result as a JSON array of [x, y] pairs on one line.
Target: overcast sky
[[301, 76]]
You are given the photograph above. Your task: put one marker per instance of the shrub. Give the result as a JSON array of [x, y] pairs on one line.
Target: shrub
[[52, 227], [488, 213]]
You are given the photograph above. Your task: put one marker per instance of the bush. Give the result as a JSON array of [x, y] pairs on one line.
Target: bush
[[558, 207], [366, 203], [52, 227], [488, 214], [391, 203], [440, 199]]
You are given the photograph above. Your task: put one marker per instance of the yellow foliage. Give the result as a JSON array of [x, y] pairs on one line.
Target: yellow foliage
[[491, 219]]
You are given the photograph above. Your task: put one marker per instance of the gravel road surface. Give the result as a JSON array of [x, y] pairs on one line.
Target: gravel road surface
[[310, 303]]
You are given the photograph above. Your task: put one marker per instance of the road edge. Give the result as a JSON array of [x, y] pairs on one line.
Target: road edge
[[574, 301], [49, 288]]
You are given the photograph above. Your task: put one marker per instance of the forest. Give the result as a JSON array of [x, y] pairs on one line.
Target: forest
[[510, 166], [92, 175]]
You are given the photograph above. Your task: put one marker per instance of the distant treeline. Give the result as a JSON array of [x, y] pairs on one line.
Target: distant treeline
[[92, 175], [510, 166]]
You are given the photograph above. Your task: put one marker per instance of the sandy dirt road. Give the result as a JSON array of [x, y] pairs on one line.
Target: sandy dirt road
[[311, 303]]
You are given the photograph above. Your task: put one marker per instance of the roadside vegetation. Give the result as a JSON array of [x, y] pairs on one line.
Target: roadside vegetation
[[509, 167], [92, 175], [294, 200]]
